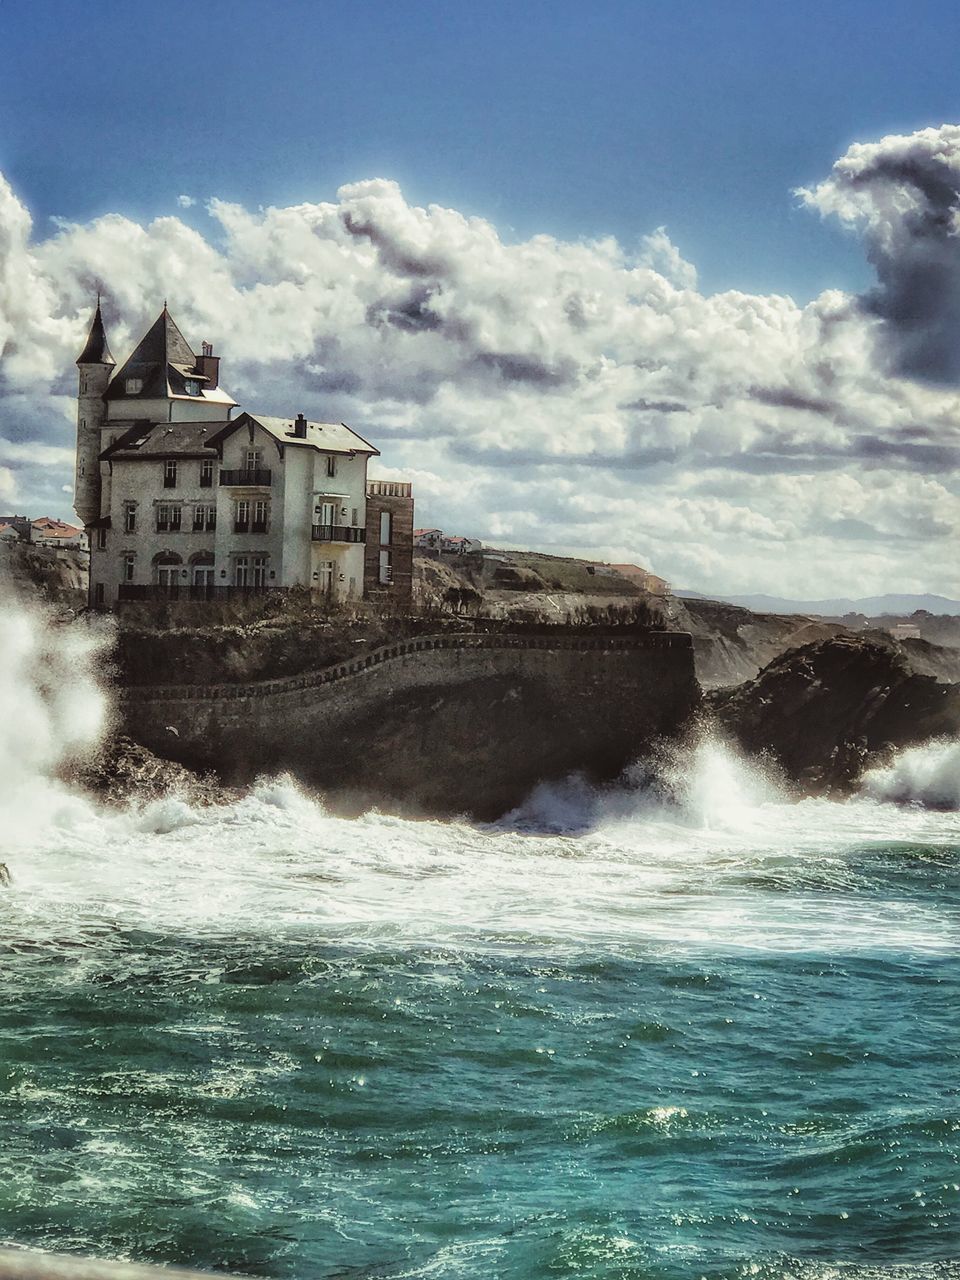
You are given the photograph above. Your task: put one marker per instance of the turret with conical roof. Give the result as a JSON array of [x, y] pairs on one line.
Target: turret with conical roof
[[97, 350], [95, 365]]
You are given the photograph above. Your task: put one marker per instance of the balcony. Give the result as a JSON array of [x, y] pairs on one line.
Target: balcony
[[258, 526], [257, 476], [338, 533]]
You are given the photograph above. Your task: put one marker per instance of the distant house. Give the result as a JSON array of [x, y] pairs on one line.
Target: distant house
[[455, 545], [20, 524], [905, 631], [427, 539], [8, 533], [642, 578], [47, 532]]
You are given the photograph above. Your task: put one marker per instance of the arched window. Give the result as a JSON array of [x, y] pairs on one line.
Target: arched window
[[202, 572], [166, 568]]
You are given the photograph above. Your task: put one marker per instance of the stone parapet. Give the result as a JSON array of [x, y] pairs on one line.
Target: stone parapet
[[436, 725]]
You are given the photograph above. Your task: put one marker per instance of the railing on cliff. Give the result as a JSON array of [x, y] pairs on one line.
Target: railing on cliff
[[649, 640]]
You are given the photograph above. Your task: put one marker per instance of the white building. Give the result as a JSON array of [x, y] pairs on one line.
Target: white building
[[179, 493], [456, 545], [427, 539]]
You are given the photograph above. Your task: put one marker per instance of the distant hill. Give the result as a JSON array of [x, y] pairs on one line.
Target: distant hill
[[871, 606]]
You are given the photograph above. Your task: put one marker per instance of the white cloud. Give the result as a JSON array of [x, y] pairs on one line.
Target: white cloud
[[545, 393], [186, 202]]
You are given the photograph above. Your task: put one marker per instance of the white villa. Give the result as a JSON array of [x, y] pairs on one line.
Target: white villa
[[178, 493]]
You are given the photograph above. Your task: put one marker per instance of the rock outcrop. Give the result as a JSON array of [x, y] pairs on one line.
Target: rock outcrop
[[823, 711], [123, 770]]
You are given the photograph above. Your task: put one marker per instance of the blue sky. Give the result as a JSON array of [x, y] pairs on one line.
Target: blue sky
[[438, 222], [570, 118]]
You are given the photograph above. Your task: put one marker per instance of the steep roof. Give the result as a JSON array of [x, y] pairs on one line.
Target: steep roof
[[96, 351], [50, 528], [324, 437], [162, 360], [165, 440]]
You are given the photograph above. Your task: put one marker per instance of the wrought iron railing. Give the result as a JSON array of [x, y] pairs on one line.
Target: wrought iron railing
[[338, 533]]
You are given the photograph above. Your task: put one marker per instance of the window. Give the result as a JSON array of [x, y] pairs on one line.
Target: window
[[129, 517], [203, 575], [241, 516], [386, 528], [353, 517], [128, 562], [206, 473], [253, 459], [192, 387], [81, 467], [261, 515], [101, 539], [325, 575], [386, 568], [204, 517], [331, 465], [133, 386], [241, 571], [168, 518], [259, 571], [170, 474], [98, 593], [83, 391]]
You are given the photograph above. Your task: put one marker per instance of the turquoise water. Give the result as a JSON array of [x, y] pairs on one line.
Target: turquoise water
[[266, 1040], [682, 1030]]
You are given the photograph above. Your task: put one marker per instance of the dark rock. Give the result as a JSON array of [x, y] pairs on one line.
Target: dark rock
[[123, 770], [824, 711]]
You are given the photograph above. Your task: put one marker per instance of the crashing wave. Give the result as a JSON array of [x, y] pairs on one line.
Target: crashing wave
[[928, 775]]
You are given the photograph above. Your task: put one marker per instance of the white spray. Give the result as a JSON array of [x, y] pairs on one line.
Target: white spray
[[52, 710], [669, 862]]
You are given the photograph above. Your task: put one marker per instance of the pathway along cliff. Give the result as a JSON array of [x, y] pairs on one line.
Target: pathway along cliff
[[438, 725]]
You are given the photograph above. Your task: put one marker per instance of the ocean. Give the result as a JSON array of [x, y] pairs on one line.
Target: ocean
[[681, 1027]]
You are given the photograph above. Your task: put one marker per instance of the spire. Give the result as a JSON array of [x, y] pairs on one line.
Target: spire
[[96, 351]]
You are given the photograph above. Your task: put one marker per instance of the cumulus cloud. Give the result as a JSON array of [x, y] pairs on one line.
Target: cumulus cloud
[[186, 202], [903, 195], [568, 396]]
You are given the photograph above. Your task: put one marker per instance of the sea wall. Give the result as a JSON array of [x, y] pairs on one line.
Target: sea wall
[[437, 725]]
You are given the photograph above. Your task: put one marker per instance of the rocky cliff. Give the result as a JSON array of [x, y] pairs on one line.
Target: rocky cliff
[[824, 710], [55, 575]]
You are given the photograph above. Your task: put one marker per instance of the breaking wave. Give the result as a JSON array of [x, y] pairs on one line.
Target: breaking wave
[[928, 775]]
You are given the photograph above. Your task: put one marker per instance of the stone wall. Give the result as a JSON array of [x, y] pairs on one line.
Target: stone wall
[[438, 725]]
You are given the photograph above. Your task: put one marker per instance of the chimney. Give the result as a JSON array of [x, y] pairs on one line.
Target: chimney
[[209, 367], [300, 427]]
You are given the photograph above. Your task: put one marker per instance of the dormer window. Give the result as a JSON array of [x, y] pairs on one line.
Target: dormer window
[[133, 386], [192, 387]]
